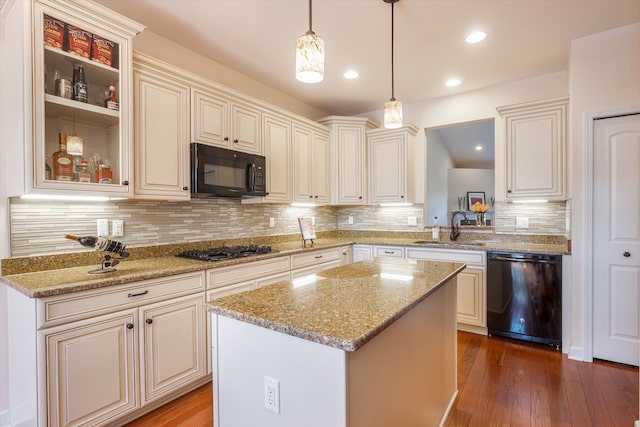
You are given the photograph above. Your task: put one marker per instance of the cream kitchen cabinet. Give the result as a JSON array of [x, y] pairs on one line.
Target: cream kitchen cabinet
[[348, 145], [221, 120], [311, 262], [276, 131], [105, 353], [391, 165], [347, 255], [472, 286], [362, 252], [310, 164], [161, 122], [536, 149], [37, 114]]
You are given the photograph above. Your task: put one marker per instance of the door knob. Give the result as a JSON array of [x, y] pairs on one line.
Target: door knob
[[626, 254], [149, 321]]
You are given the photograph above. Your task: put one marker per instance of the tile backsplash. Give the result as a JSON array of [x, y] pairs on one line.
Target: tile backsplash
[[38, 228]]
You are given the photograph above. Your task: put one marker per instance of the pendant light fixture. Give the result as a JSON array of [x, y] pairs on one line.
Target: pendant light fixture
[[393, 107], [310, 56]]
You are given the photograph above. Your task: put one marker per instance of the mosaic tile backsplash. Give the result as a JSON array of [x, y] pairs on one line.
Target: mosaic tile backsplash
[[38, 228]]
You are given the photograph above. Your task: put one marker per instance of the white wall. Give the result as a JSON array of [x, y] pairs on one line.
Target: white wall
[[438, 164], [462, 181], [604, 77]]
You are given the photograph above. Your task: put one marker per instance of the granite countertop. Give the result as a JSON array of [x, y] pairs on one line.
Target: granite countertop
[[53, 280], [345, 307]]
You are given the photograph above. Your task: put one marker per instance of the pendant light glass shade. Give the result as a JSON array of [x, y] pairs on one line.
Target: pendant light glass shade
[[392, 114], [310, 56], [393, 107]]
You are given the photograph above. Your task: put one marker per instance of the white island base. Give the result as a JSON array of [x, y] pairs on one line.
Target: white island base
[[405, 376]]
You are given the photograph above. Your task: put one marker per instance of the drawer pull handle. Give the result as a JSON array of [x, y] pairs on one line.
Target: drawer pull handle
[[626, 254], [129, 325], [149, 321], [388, 252], [138, 294], [318, 256]]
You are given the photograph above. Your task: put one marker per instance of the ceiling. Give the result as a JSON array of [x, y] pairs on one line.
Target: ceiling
[[462, 139], [526, 38]]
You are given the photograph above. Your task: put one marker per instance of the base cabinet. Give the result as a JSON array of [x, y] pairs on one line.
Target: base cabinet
[[472, 284], [91, 368]]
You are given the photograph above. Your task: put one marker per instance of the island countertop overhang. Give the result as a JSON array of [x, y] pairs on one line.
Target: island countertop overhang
[[343, 307]]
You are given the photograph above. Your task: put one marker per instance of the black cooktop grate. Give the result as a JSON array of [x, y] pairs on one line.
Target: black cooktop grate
[[225, 252]]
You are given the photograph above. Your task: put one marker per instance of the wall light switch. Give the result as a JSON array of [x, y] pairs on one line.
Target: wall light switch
[[522, 222], [350, 219], [272, 222], [103, 227]]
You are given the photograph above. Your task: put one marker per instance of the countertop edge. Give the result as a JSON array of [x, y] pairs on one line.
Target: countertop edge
[[341, 344]]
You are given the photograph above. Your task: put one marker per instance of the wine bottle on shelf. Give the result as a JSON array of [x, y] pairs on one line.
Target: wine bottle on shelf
[[435, 230], [84, 175], [62, 161], [88, 241], [80, 89]]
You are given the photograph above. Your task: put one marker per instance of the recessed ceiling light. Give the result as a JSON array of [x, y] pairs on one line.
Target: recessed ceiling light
[[478, 147], [351, 74], [453, 82], [476, 37]]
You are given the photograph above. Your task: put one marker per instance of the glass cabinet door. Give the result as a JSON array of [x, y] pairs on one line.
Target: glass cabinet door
[[81, 91]]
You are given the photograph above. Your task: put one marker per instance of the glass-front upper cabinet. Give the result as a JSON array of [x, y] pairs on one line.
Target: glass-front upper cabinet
[[82, 99]]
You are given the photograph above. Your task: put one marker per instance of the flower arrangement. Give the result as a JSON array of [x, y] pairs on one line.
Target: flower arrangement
[[480, 207]]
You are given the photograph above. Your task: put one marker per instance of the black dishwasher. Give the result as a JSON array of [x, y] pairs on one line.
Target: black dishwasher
[[524, 296]]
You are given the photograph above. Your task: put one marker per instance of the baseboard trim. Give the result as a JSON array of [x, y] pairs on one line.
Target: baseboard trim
[[637, 423], [451, 403], [576, 353]]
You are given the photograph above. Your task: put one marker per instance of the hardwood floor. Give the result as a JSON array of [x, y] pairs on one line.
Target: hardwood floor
[[501, 382]]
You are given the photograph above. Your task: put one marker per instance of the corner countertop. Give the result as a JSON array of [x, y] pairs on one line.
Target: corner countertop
[[55, 281], [345, 307]]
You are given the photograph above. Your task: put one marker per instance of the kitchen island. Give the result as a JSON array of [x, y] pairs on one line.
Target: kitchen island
[[367, 344]]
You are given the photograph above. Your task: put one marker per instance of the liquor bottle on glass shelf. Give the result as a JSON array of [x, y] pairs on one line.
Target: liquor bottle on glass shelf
[[62, 161], [112, 102]]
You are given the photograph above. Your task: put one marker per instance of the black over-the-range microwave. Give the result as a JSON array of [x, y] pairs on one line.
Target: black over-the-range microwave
[[226, 173]]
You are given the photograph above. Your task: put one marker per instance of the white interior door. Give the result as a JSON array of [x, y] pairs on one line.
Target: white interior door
[[616, 239]]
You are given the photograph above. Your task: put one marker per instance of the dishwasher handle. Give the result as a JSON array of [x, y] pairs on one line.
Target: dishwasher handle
[[536, 258]]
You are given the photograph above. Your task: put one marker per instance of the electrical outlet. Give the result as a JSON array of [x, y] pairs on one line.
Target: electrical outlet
[[412, 220], [350, 219], [272, 222], [117, 228], [272, 394], [103, 228], [522, 222], [313, 220]]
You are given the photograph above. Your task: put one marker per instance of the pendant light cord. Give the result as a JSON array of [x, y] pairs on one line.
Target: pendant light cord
[[393, 98], [310, 30]]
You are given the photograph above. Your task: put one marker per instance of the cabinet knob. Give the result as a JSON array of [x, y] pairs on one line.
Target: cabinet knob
[[310, 196], [360, 197], [235, 141], [508, 191], [626, 254], [316, 197], [149, 321], [185, 188], [226, 138], [129, 325], [125, 182], [402, 197]]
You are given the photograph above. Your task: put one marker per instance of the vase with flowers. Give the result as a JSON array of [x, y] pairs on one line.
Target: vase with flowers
[[480, 209]]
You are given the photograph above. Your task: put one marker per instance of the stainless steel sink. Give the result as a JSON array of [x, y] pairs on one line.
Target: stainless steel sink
[[431, 242]]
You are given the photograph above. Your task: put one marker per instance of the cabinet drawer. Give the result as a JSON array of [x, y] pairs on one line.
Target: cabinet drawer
[[477, 258], [60, 309], [315, 257], [389, 251], [224, 276], [308, 271], [230, 290]]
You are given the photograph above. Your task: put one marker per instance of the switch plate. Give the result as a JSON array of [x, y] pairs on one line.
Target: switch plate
[[272, 222], [412, 220], [117, 228], [522, 222], [103, 228], [272, 394], [350, 219]]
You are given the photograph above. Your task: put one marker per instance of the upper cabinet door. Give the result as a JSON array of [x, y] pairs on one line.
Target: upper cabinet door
[[162, 136], [210, 119], [246, 135], [96, 130], [535, 143]]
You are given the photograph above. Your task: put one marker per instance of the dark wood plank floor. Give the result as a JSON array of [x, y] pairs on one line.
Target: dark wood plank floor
[[501, 382]]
